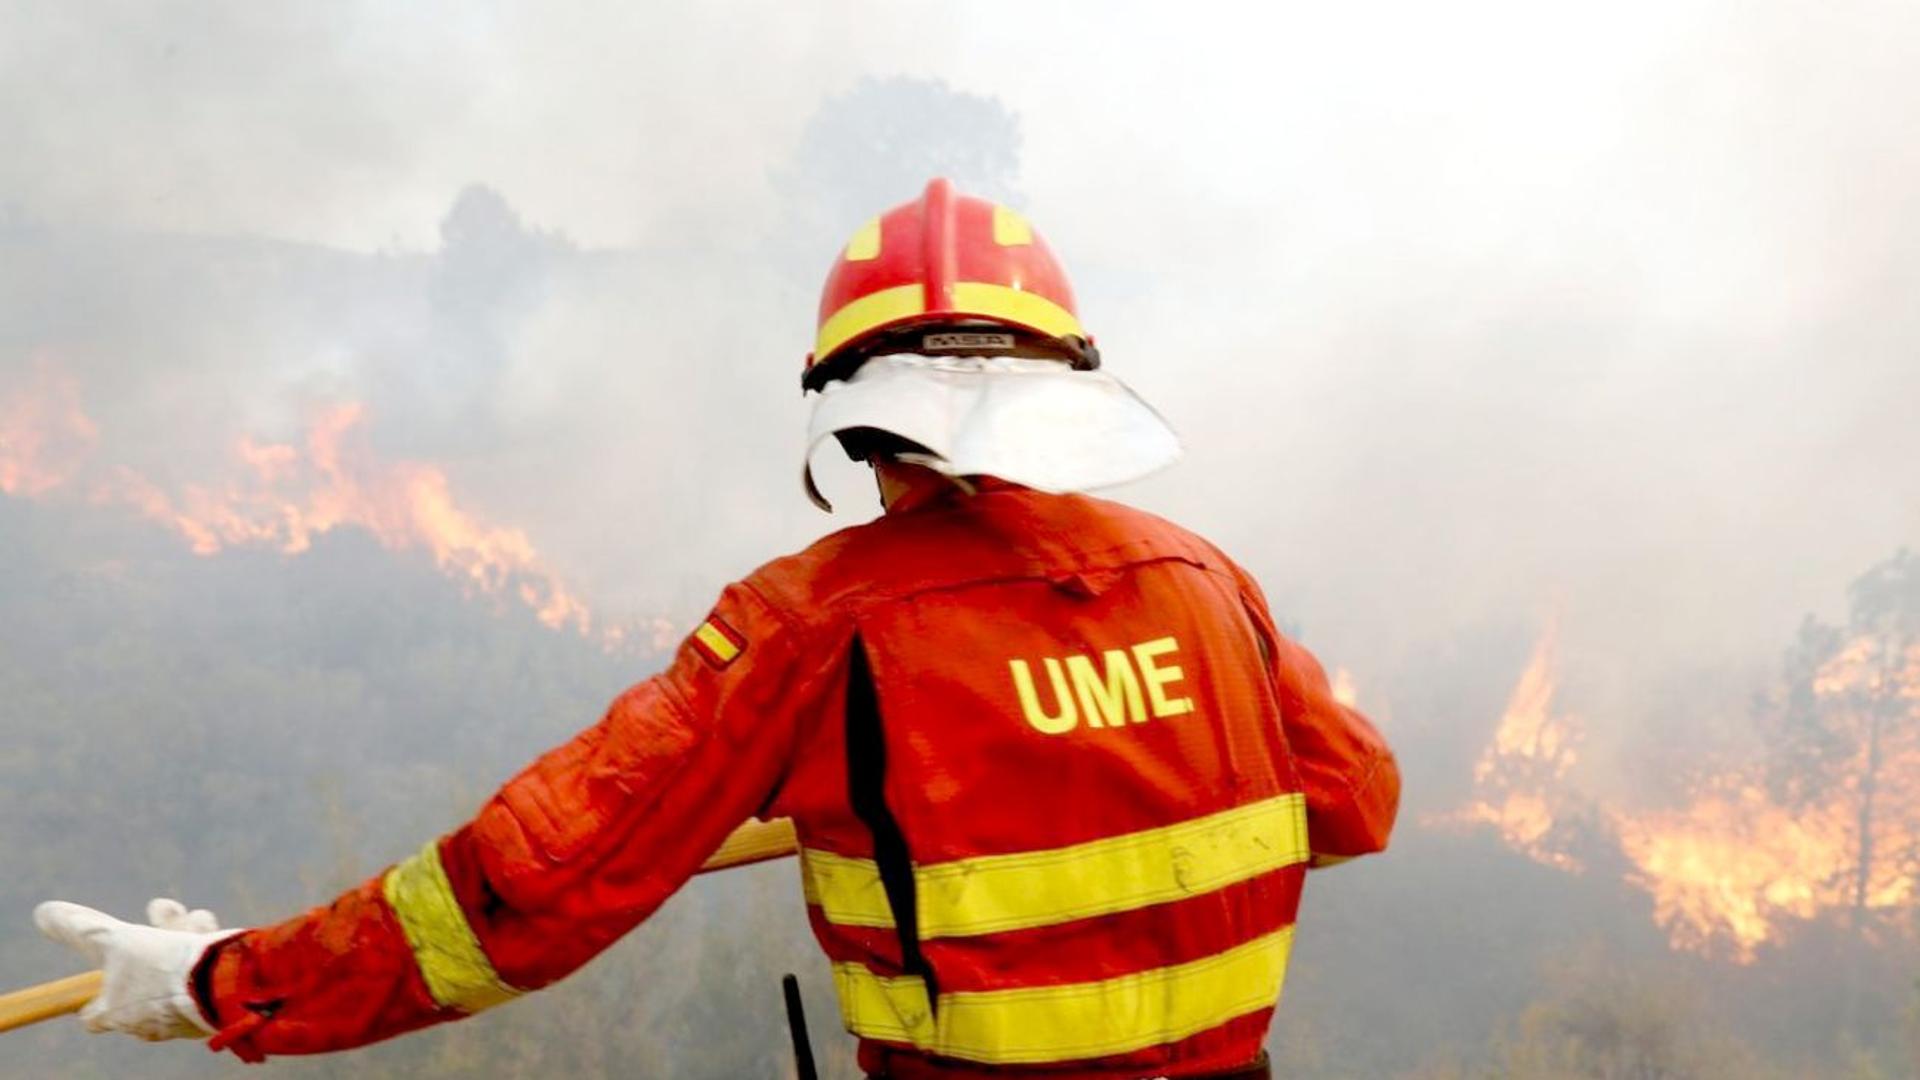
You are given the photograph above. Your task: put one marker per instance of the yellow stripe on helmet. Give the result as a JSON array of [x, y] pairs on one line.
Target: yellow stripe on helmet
[[455, 968], [1010, 229], [978, 298], [862, 315], [995, 893], [1032, 1025], [865, 245], [971, 300]]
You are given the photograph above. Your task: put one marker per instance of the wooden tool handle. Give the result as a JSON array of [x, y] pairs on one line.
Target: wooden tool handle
[[48, 1000], [756, 841]]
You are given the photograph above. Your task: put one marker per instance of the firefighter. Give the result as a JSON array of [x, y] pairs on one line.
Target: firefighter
[[1056, 778]]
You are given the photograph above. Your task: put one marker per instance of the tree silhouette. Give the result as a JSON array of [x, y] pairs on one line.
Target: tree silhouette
[[1847, 733]]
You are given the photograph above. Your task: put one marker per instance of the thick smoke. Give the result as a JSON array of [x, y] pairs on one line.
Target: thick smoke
[[1475, 318]]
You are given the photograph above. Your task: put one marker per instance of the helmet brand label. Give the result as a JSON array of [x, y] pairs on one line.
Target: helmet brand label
[[955, 340]]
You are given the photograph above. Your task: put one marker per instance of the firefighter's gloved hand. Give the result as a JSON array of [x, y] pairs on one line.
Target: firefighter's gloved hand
[[147, 968]]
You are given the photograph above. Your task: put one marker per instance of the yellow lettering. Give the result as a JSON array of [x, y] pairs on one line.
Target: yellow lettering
[[1108, 701], [1051, 724], [1159, 676]]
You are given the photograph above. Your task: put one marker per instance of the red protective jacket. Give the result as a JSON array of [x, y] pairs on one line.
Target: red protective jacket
[[1055, 776]]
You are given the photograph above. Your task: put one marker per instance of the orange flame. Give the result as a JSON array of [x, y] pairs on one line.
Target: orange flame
[[44, 435], [288, 495], [293, 496], [1518, 779], [1740, 863]]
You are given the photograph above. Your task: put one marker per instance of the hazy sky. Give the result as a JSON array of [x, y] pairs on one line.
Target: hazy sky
[[1470, 313], [1473, 316]]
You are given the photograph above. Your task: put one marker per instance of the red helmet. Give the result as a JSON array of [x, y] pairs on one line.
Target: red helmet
[[945, 272]]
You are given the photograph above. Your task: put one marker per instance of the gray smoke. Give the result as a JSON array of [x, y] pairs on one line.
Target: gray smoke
[[1473, 317]]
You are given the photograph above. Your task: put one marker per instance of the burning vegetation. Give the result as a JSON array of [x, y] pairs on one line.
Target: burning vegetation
[[283, 496], [1520, 779], [1824, 825], [44, 435]]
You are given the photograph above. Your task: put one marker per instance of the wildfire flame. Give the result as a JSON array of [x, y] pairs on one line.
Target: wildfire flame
[[1519, 779], [1743, 861], [44, 434], [1747, 858], [287, 495], [292, 495]]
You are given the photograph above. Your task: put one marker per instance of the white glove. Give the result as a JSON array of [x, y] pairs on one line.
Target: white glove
[[147, 968]]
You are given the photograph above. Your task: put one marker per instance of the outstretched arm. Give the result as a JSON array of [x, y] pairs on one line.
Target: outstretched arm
[[1351, 780], [1347, 771], [568, 856]]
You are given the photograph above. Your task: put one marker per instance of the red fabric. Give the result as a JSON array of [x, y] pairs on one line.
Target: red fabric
[[1348, 773], [593, 836], [339, 975], [238, 1037], [1219, 1050]]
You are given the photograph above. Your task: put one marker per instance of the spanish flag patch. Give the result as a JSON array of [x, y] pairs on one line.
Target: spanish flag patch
[[717, 643]]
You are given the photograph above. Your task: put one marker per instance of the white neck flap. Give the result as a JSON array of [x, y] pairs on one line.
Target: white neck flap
[[1037, 423]]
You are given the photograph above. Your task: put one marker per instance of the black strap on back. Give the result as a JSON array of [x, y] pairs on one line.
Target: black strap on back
[[866, 791]]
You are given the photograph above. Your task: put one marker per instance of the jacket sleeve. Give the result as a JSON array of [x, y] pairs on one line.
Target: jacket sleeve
[[1351, 780], [568, 856], [1347, 771]]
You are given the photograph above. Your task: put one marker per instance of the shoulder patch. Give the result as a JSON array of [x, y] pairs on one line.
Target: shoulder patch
[[717, 643]]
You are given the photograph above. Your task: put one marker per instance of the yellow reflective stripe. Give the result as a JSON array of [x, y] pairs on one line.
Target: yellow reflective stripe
[[1014, 305], [1010, 229], [722, 646], [457, 971], [1066, 1023], [846, 889], [995, 893], [865, 244], [970, 298], [871, 310]]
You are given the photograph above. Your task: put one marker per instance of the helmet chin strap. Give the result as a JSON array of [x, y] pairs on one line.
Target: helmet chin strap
[[938, 466], [918, 462]]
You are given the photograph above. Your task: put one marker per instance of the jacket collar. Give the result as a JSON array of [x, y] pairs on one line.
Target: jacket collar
[[928, 488]]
